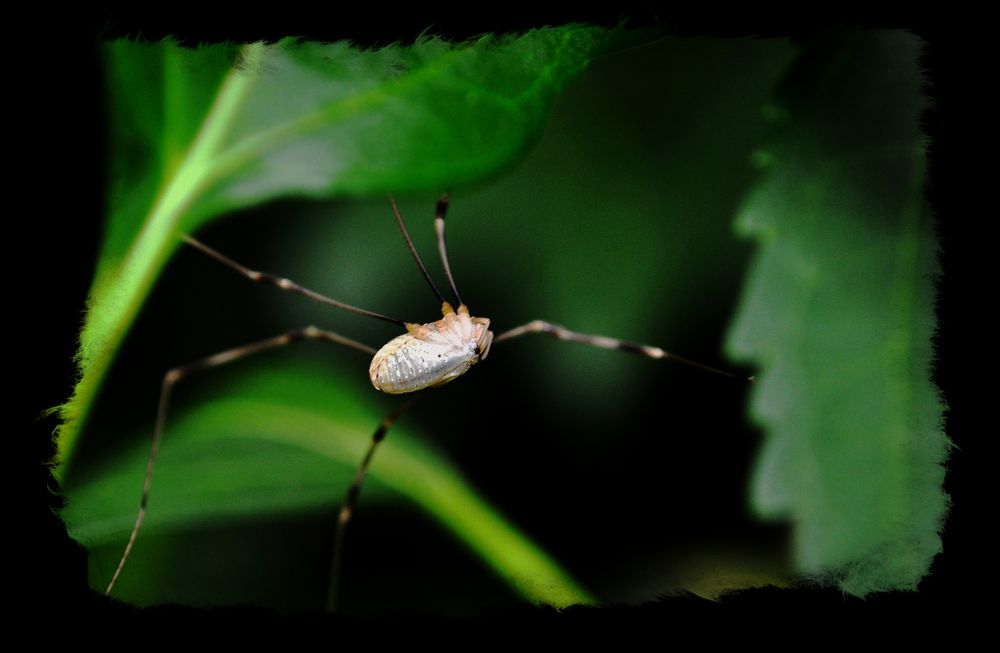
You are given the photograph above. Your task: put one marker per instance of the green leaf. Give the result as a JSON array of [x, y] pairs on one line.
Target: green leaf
[[198, 134], [289, 438], [839, 315]]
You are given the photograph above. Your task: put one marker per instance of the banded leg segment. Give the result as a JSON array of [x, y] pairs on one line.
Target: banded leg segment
[[209, 362], [441, 211], [604, 342], [285, 284], [351, 502]]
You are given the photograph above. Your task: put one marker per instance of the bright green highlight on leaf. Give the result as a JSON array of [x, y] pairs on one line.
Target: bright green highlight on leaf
[[839, 316], [287, 438]]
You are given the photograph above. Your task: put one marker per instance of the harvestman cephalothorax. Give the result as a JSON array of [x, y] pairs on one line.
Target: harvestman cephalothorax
[[426, 356]]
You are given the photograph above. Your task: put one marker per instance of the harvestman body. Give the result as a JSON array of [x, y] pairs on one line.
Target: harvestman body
[[426, 356], [432, 354]]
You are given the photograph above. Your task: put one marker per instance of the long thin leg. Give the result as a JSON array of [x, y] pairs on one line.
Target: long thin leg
[[207, 363], [281, 282], [604, 342], [439, 216], [413, 249], [351, 503]]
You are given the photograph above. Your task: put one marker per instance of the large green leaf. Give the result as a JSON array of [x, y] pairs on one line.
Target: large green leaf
[[197, 134], [268, 437], [839, 315]]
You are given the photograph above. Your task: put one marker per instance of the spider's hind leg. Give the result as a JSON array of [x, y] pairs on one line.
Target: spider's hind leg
[[171, 378], [350, 504]]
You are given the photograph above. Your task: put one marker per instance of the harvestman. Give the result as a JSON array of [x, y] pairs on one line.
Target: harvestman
[[426, 356]]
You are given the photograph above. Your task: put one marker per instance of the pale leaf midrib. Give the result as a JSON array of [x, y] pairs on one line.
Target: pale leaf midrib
[[148, 250]]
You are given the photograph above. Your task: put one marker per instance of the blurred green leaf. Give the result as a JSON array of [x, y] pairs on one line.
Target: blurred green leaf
[[839, 315], [289, 437]]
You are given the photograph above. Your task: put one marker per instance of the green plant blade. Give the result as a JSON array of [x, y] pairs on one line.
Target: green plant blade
[[198, 134], [839, 315], [287, 438]]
